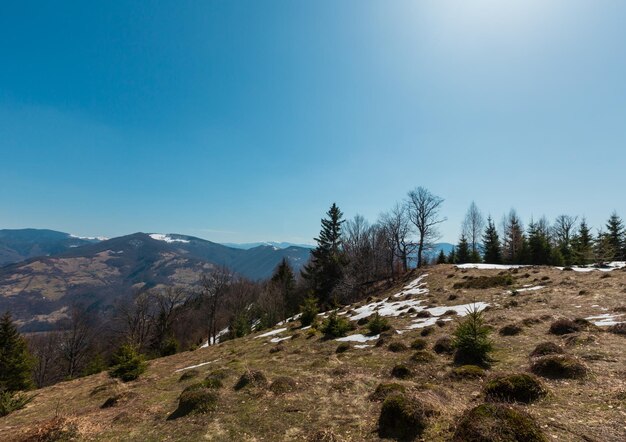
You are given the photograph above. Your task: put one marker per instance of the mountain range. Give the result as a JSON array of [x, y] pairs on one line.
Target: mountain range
[[45, 271]]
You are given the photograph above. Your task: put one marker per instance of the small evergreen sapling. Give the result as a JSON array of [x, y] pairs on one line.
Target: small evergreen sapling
[[471, 340], [129, 364]]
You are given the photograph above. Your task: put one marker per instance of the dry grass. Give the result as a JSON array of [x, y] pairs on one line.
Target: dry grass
[[331, 401]]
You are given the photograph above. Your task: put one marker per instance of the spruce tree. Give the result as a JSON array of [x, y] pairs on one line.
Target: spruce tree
[[441, 258], [539, 249], [452, 256], [515, 249], [15, 361], [325, 270], [463, 251], [284, 280], [615, 237], [582, 245], [491, 243]]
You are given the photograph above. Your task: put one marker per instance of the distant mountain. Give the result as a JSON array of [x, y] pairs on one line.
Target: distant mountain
[[280, 245], [20, 244], [38, 289]]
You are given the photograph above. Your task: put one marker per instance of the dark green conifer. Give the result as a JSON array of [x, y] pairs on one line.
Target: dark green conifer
[[441, 258], [615, 237], [491, 244], [16, 363], [463, 251]]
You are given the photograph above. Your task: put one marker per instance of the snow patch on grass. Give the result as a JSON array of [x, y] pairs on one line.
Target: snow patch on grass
[[358, 338]]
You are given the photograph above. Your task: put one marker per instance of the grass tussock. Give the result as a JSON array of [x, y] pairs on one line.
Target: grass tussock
[[485, 282], [518, 387], [403, 417], [564, 327], [558, 367], [546, 348], [251, 378]]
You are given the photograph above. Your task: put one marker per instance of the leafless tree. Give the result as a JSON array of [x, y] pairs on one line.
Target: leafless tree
[[45, 348], [423, 211], [564, 227], [397, 225], [473, 226], [168, 303], [76, 339], [214, 285], [134, 319]]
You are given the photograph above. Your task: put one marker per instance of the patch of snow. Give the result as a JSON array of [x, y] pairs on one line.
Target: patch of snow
[[272, 333], [90, 238], [461, 310], [528, 289], [385, 308], [217, 338], [489, 266], [358, 338], [195, 366], [167, 238], [605, 320], [362, 346], [306, 328], [275, 340]]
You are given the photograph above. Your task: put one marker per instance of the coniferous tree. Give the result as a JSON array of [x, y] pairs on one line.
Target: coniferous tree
[[539, 249], [16, 363], [285, 282], [515, 249], [604, 248], [615, 237], [463, 251], [441, 258], [582, 245], [452, 256], [491, 243], [325, 270]]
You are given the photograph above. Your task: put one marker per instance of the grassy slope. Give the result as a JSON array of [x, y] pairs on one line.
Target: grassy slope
[[333, 389]]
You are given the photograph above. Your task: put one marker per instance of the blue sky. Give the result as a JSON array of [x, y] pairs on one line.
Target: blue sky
[[241, 121]]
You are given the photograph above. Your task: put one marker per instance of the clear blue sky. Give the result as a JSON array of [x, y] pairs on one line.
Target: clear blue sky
[[244, 120]]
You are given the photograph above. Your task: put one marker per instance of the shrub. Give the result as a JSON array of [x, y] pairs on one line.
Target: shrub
[[129, 364], [422, 357], [401, 371], [309, 311], [558, 367], [423, 314], [618, 329], [397, 347], [563, 327], [282, 385], [510, 330], [427, 331], [467, 372], [546, 348], [403, 417], [342, 347], [195, 401], [471, 340], [419, 344], [444, 345], [377, 324], [336, 326], [189, 374], [385, 389], [10, 402], [252, 378], [486, 282], [519, 387], [497, 423]]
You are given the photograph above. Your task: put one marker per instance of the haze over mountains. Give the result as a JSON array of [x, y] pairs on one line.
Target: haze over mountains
[[45, 271]]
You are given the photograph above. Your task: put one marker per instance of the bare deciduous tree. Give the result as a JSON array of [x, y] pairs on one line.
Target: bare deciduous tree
[[564, 227], [134, 319], [398, 227], [45, 348], [423, 211], [214, 285], [473, 226], [76, 339]]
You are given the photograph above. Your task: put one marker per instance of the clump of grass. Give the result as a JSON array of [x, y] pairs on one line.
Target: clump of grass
[[558, 367], [251, 378], [397, 347], [510, 330], [277, 348], [342, 347], [471, 340], [422, 357], [336, 326], [377, 324], [195, 401], [563, 327], [618, 329], [423, 314], [403, 417], [385, 389], [283, 385], [546, 348], [444, 345], [189, 374], [485, 282], [56, 429], [401, 371], [467, 372], [497, 423], [10, 402], [419, 344], [323, 436], [518, 387], [427, 331]]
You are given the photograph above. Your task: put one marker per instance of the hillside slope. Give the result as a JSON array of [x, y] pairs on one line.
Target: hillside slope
[[331, 394]]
